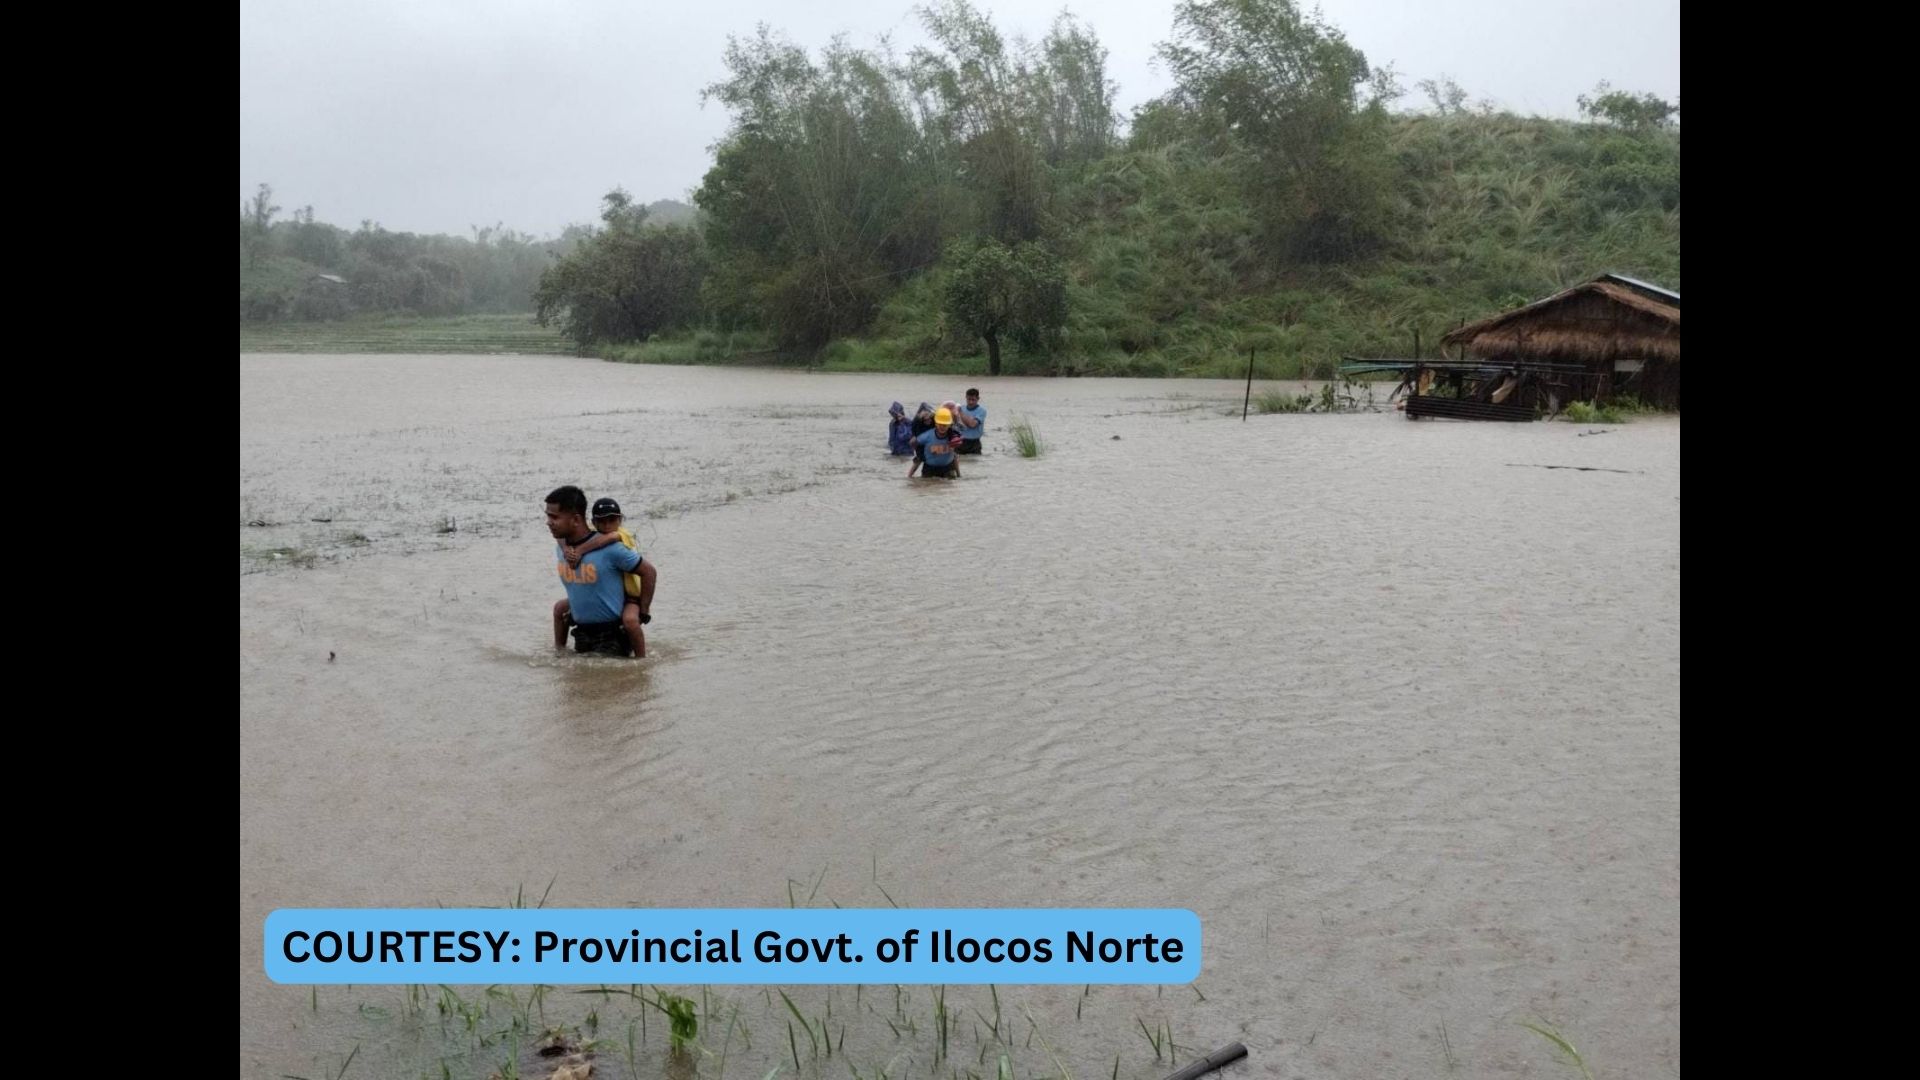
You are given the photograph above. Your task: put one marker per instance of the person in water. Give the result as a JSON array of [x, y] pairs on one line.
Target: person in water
[[609, 523], [972, 422], [937, 448], [922, 421], [899, 431], [596, 589]]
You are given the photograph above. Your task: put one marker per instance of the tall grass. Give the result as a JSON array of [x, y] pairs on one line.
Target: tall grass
[[1279, 401], [1026, 439], [697, 347], [494, 1026], [1587, 412]]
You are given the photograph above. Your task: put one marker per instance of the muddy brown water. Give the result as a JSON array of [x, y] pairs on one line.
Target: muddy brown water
[[1394, 711]]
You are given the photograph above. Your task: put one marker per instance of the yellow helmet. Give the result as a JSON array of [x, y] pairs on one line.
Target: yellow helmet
[[942, 416]]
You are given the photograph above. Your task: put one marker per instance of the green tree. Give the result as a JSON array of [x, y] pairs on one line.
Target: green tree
[[627, 281], [1071, 96], [259, 217], [979, 113], [823, 191], [1015, 292], [1302, 111], [1449, 98], [312, 241], [1635, 112]]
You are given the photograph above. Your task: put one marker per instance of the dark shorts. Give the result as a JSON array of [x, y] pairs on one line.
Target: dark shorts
[[968, 446], [602, 639], [938, 470]]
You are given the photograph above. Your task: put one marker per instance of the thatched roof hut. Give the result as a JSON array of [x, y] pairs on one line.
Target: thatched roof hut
[[1626, 333]]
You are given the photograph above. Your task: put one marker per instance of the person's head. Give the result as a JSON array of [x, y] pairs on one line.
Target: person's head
[[897, 410], [607, 516], [973, 398], [942, 419], [566, 512]]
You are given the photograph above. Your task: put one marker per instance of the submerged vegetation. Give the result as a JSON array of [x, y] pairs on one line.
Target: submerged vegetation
[[1025, 439]]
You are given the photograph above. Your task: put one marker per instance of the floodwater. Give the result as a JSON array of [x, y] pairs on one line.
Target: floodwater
[[1395, 710]]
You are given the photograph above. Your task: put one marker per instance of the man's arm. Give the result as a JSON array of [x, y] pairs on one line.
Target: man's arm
[[648, 575]]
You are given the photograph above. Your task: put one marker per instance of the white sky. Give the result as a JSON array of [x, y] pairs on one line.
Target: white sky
[[437, 115]]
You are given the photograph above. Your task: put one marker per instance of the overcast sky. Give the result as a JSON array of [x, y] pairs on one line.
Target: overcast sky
[[437, 115]]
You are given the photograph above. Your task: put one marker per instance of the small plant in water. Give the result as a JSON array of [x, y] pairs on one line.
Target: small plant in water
[[1279, 401], [286, 556], [1552, 1034], [682, 1018], [1587, 412], [1027, 439]]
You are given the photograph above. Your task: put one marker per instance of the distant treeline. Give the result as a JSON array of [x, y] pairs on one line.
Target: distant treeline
[[982, 197]]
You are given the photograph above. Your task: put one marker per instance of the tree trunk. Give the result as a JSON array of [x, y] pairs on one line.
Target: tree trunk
[[993, 354]]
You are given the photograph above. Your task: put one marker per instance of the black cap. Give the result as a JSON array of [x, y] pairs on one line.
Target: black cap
[[606, 508]]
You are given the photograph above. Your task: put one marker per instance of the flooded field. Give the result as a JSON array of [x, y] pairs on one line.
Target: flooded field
[[1391, 706]]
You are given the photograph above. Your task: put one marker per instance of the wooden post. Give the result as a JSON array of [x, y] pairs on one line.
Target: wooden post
[[1226, 1055], [1245, 405]]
